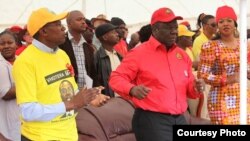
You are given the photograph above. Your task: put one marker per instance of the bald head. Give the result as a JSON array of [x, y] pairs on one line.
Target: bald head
[[76, 21], [72, 15]]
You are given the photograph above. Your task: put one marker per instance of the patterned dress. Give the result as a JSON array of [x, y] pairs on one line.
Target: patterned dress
[[217, 61]]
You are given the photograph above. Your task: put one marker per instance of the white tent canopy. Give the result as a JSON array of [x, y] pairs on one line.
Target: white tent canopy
[[133, 12]]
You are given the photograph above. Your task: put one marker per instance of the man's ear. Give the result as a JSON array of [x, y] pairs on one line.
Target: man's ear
[[154, 29], [42, 32], [104, 37]]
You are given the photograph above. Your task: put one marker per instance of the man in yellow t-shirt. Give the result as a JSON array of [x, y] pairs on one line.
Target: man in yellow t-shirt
[[184, 40], [45, 87]]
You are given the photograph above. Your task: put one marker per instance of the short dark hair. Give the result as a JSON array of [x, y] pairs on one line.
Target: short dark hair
[[7, 31], [145, 32], [117, 21], [203, 19]]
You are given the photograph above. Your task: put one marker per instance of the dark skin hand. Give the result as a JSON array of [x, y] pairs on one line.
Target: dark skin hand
[[140, 91], [199, 85], [11, 94], [82, 98], [100, 99]]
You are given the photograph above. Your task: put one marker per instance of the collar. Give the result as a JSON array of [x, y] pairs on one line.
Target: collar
[[103, 53], [82, 40], [108, 52], [43, 47]]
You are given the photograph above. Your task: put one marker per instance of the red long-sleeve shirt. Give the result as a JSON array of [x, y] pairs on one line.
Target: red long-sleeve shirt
[[167, 73], [121, 47]]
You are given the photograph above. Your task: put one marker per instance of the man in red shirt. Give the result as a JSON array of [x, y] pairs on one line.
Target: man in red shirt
[[157, 77]]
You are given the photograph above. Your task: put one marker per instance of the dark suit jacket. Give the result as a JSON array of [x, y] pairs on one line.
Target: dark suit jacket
[[89, 58]]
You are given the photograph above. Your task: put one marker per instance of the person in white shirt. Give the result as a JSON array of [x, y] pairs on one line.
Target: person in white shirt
[[9, 112]]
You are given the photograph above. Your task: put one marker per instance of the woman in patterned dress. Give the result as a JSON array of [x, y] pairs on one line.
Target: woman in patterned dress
[[219, 67]]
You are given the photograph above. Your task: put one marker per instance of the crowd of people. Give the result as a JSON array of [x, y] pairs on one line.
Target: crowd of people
[[166, 69]]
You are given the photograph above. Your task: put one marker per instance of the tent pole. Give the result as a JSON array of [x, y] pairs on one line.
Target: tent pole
[[243, 61], [84, 7]]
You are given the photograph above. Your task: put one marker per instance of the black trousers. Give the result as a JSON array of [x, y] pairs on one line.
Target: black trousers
[[153, 126]]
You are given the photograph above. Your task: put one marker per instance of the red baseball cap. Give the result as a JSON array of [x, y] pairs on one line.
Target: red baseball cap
[[164, 15], [186, 23], [225, 12], [16, 28]]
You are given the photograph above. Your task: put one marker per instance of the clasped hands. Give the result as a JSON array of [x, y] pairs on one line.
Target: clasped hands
[[85, 97]]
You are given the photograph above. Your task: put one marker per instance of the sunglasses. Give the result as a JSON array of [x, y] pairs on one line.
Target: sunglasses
[[213, 25]]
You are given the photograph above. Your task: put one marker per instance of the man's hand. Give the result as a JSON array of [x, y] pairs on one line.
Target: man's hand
[[100, 100], [199, 85], [82, 98], [140, 91]]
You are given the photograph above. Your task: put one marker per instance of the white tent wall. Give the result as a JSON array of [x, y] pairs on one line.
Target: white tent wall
[[134, 12]]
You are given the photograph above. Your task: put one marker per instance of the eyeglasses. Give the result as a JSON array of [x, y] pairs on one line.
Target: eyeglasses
[[213, 25]]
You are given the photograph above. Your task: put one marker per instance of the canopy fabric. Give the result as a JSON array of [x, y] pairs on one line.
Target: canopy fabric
[[133, 12]]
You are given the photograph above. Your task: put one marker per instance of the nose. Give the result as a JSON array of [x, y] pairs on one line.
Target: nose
[[85, 25], [63, 28], [83, 21], [226, 23]]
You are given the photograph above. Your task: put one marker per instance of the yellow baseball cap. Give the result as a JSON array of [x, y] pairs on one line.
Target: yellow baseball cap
[[41, 17], [183, 31]]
